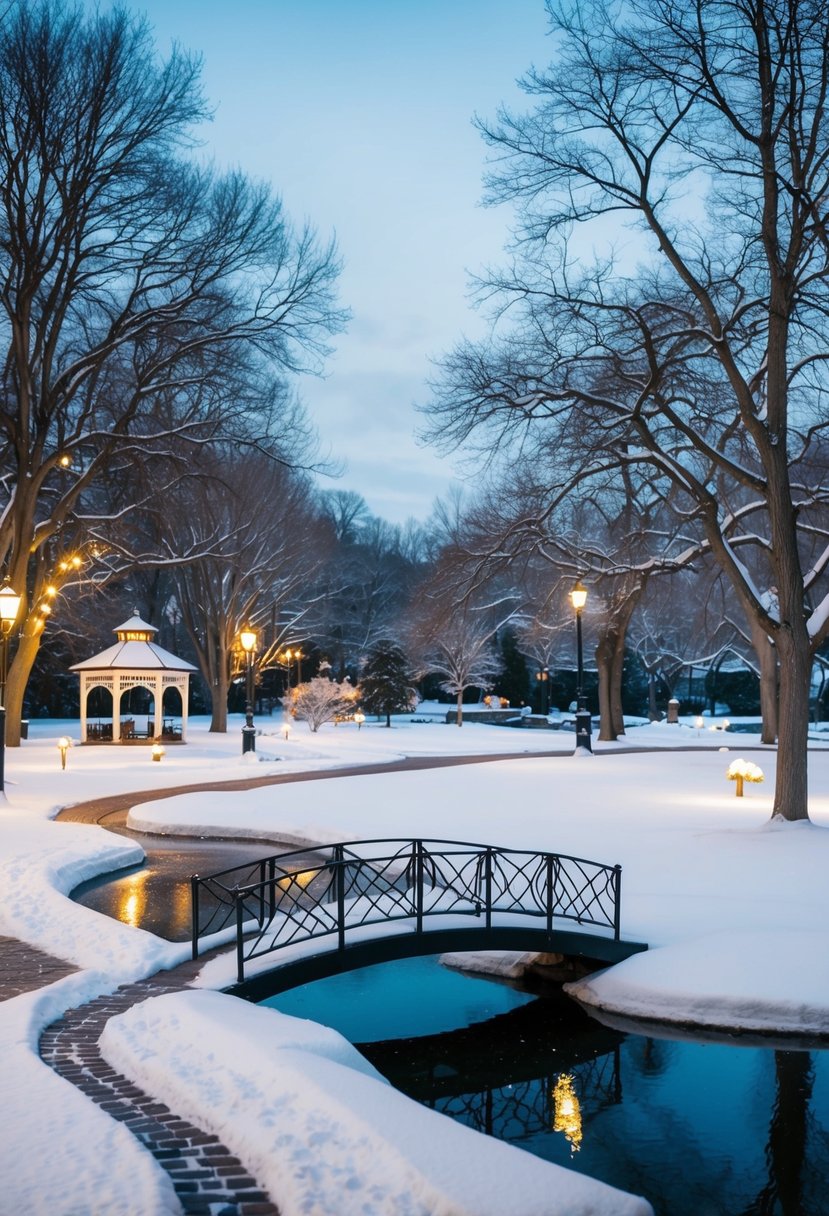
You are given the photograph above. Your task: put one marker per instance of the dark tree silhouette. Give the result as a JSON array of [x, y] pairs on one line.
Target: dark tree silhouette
[[387, 682]]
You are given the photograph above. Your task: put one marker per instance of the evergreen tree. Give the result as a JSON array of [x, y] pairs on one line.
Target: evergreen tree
[[514, 680], [387, 683]]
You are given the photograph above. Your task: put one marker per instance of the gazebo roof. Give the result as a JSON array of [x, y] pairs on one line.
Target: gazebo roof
[[134, 651]]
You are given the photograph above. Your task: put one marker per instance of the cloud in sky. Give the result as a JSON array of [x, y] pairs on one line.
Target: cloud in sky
[[360, 115]]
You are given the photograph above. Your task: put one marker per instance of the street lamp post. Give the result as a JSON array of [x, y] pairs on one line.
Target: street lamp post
[[584, 724], [9, 608], [247, 637], [287, 658], [543, 678]]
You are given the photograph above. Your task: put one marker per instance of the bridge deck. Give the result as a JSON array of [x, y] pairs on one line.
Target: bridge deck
[[320, 958]]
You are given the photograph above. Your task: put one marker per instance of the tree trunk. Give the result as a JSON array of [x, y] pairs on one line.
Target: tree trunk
[[767, 657], [218, 704], [791, 787], [460, 709], [18, 678], [609, 655]]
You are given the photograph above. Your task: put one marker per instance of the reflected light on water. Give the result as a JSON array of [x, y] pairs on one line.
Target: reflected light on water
[[567, 1111], [132, 900], [301, 878]]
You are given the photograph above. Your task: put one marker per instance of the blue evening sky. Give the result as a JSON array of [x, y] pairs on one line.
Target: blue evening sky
[[359, 113]]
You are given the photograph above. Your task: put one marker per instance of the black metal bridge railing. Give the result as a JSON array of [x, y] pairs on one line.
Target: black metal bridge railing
[[340, 888]]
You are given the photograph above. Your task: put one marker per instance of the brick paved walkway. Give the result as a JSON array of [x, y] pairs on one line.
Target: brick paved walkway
[[24, 968], [208, 1179]]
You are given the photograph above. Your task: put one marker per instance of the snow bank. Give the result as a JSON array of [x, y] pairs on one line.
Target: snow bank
[[318, 1126], [742, 981]]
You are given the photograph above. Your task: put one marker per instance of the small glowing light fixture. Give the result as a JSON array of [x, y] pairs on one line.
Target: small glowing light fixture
[[726, 724], [64, 743], [744, 770], [567, 1111], [286, 730], [157, 751], [699, 723], [9, 605], [247, 637], [578, 596], [64, 460], [359, 718]]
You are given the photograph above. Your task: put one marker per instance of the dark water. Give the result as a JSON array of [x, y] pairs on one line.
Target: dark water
[[700, 1129]]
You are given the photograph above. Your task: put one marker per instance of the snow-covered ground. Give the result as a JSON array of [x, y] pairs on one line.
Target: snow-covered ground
[[708, 882]]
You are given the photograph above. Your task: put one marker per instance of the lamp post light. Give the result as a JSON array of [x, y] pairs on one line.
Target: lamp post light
[[359, 718], [9, 608], [584, 724], [543, 678], [247, 638], [287, 657]]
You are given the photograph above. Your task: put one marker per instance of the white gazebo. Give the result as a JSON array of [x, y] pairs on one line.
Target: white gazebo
[[135, 661]]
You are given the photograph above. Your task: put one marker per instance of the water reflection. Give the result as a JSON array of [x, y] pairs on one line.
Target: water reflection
[[567, 1111], [132, 899], [156, 896], [700, 1129], [540, 1068], [785, 1190]]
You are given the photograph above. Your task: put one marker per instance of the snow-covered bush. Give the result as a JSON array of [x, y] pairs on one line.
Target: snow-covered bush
[[321, 700]]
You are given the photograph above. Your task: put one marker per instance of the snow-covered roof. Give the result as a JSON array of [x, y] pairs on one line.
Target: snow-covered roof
[[135, 650]]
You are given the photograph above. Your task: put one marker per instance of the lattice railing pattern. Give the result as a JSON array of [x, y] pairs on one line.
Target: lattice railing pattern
[[298, 896]]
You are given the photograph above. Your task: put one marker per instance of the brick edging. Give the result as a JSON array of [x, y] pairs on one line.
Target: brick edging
[[208, 1178]]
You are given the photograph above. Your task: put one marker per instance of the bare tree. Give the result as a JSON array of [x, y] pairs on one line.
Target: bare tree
[[452, 632], [246, 543], [706, 363], [367, 584], [144, 301]]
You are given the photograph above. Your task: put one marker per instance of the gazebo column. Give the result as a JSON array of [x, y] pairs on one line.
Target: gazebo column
[[117, 689], [184, 688], [84, 695], [158, 705]]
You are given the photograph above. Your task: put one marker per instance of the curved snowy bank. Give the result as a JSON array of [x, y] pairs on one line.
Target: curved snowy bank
[[740, 981], [321, 1129]]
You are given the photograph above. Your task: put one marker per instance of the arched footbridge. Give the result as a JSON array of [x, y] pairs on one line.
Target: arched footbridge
[[300, 917]]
